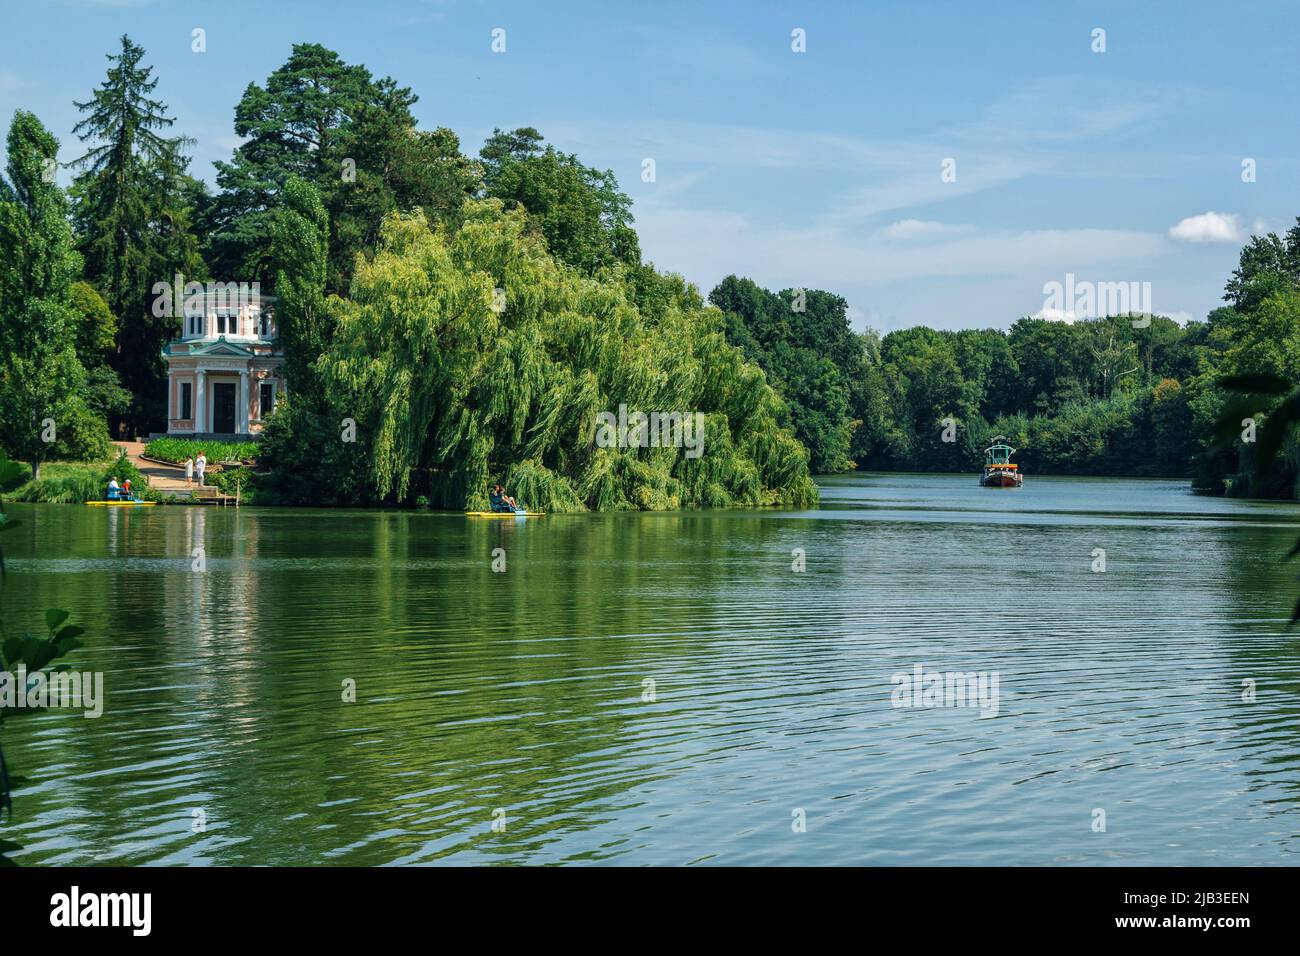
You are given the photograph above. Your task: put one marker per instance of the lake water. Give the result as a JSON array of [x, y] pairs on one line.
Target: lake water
[[522, 698]]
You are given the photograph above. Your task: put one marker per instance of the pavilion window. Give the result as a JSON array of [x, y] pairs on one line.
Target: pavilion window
[[186, 388]]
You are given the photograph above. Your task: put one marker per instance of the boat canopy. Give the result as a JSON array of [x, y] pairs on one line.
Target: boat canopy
[[999, 453]]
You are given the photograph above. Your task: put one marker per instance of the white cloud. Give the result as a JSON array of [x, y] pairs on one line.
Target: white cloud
[[1208, 227], [924, 229], [1069, 316], [1056, 315]]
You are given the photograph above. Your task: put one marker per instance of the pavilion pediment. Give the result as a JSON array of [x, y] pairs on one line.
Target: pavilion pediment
[[221, 347]]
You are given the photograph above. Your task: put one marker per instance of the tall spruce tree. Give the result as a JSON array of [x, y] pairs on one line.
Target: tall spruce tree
[[132, 213]]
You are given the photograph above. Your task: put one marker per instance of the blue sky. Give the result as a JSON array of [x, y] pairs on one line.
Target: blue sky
[[818, 169]]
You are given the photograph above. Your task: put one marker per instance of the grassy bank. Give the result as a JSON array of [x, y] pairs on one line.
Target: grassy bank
[[74, 482], [62, 482]]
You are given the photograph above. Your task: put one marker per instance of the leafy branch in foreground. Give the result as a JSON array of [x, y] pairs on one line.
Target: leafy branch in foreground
[[34, 654]]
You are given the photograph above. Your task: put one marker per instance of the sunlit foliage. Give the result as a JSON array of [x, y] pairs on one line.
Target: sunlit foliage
[[454, 385]]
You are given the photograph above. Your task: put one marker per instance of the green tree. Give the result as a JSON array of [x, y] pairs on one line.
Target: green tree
[[96, 340], [132, 218], [1247, 359], [300, 251], [332, 124], [1268, 264], [40, 377], [1267, 341], [802, 339], [585, 217], [502, 148], [1171, 424], [452, 387]]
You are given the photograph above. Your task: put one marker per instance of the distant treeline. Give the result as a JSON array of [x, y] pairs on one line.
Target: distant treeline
[[1119, 395]]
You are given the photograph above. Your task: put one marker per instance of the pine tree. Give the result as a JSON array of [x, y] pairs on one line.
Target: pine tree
[[353, 137], [133, 219]]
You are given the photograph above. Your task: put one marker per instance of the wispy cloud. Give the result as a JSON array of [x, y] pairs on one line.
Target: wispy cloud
[[1035, 130], [709, 244], [918, 229], [11, 82], [108, 4], [858, 213]]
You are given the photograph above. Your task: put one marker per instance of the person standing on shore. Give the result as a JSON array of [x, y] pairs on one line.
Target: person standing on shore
[[201, 465], [189, 472]]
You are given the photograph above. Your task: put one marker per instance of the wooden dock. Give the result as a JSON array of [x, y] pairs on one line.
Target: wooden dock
[[212, 495]]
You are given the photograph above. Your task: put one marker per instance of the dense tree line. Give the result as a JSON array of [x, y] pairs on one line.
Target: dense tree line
[[469, 315], [802, 340], [1097, 397], [1100, 397], [1120, 395]]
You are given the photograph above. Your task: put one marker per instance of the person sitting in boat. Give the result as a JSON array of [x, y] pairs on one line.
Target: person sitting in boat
[[126, 488], [114, 491], [500, 501]]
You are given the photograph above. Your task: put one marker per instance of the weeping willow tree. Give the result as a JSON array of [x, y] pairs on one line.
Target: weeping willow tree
[[469, 355]]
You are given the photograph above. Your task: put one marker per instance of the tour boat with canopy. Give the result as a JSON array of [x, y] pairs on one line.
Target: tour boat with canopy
[[999, 470]]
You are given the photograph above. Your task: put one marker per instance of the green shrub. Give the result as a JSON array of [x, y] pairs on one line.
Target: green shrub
[[235, 481], [176, 450], [82, 435], [123, 470], [66, 489], [308, 463]]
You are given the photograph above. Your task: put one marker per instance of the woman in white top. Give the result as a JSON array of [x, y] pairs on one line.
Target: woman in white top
[[201, 465], [189, 472]]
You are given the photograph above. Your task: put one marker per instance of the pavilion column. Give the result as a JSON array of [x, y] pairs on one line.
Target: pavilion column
[[241, 422], [200, 411], [171, 397]]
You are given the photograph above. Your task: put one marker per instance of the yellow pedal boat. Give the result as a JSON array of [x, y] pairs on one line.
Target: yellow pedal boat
[[122, 504], [504, 514]]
